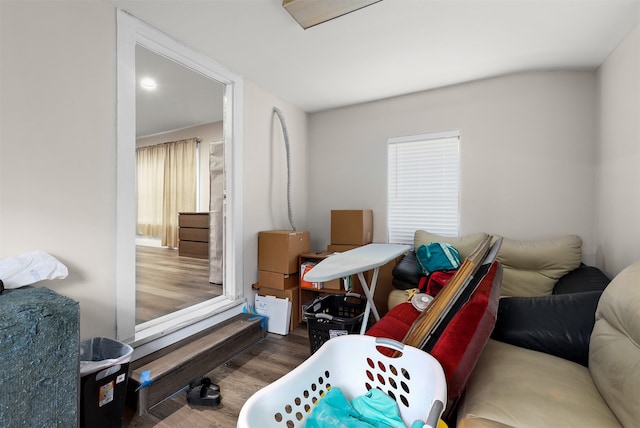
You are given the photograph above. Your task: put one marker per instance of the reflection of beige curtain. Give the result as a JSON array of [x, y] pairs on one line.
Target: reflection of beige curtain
[[216, 209], [179, 187], [150, 167], [166, 186]]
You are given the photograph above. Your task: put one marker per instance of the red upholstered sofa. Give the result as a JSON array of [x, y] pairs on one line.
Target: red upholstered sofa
[[459, 344]]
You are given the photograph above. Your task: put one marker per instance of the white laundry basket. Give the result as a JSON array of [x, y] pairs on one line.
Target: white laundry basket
[[354, 364]]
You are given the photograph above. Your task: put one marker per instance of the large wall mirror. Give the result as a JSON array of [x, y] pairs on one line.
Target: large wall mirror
[[179, 148], [179, 155]]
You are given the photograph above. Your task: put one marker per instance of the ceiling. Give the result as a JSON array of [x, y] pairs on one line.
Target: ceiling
[[183, 98], [392, 47]]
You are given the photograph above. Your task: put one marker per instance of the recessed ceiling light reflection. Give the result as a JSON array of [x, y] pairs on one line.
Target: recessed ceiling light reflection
[[148, 84]]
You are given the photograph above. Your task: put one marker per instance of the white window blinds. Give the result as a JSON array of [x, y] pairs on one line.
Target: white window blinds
[[423, 182]]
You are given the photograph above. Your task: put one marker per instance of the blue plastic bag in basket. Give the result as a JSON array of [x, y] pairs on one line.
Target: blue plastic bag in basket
[[437, 256]]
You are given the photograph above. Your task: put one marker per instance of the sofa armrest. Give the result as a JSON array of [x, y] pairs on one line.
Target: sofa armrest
[[558, 324], [583, 278]]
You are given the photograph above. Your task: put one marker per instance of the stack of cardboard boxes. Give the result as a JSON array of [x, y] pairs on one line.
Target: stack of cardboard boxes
[[281, 254], [278, 252]]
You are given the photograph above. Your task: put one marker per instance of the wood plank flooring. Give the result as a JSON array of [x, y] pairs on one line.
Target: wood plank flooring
[[238, 379], [167, 282]]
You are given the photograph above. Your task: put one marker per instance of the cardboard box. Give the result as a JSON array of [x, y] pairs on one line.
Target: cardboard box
[[336, 284], [276, 280], [294, 297], [384, 286], [278, 250], [351, 227], [277, 310], [340, 248]]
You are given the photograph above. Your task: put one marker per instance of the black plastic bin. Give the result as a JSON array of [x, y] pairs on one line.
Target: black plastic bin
[[333, 315], [104, 367]]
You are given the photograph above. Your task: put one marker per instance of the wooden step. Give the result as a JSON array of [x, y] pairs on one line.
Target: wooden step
[[171, 369]]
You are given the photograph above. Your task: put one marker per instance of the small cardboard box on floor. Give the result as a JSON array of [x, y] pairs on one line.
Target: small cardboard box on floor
[[278, 250], [290, 293]]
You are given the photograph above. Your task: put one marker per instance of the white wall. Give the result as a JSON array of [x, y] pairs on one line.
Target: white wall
[[58, 151], [618, 208], [57, 145], [265, 171], [528, 145], [527, 153]]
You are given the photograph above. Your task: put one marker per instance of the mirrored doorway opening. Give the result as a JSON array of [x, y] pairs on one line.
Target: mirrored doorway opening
[[179, 113], [136, 39]]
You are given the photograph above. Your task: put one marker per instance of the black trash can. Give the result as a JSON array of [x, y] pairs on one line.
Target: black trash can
[[104, 367]]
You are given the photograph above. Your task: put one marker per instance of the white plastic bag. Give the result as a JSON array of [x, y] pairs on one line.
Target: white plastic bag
[[99, 353], [29, 268]]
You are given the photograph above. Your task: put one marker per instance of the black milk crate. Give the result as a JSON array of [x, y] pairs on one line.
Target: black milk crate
[[334, 315]]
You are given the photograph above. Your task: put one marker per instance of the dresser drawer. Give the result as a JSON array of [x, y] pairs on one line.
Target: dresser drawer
[[193, 234], [199, 220], [194, 249]]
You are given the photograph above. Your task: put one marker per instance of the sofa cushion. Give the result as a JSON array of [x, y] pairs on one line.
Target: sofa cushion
[[400, 296], [584, 278], [614, 353], [406, 274], [518, 387], [559, 324], [532, 268], [396, 323], [464, 244]]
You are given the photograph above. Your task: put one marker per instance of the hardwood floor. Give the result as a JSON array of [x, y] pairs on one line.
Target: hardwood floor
[[238, 379], [167, 282]]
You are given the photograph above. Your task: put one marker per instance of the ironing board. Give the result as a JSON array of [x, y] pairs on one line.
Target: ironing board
[[356, 262]]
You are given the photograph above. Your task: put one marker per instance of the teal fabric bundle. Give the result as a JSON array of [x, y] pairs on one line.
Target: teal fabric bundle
[[437, 256], [378, 409], [373, 409]]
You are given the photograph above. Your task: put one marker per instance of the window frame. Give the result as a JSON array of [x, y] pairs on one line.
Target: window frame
[[448, 152]]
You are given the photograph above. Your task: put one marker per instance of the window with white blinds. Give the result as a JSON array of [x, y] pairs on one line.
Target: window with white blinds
[[423, 182]]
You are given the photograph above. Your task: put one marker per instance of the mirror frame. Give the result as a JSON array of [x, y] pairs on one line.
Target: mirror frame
[[131, 32]]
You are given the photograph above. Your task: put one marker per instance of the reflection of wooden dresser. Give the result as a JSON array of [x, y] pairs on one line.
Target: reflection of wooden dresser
[[194, 235]]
